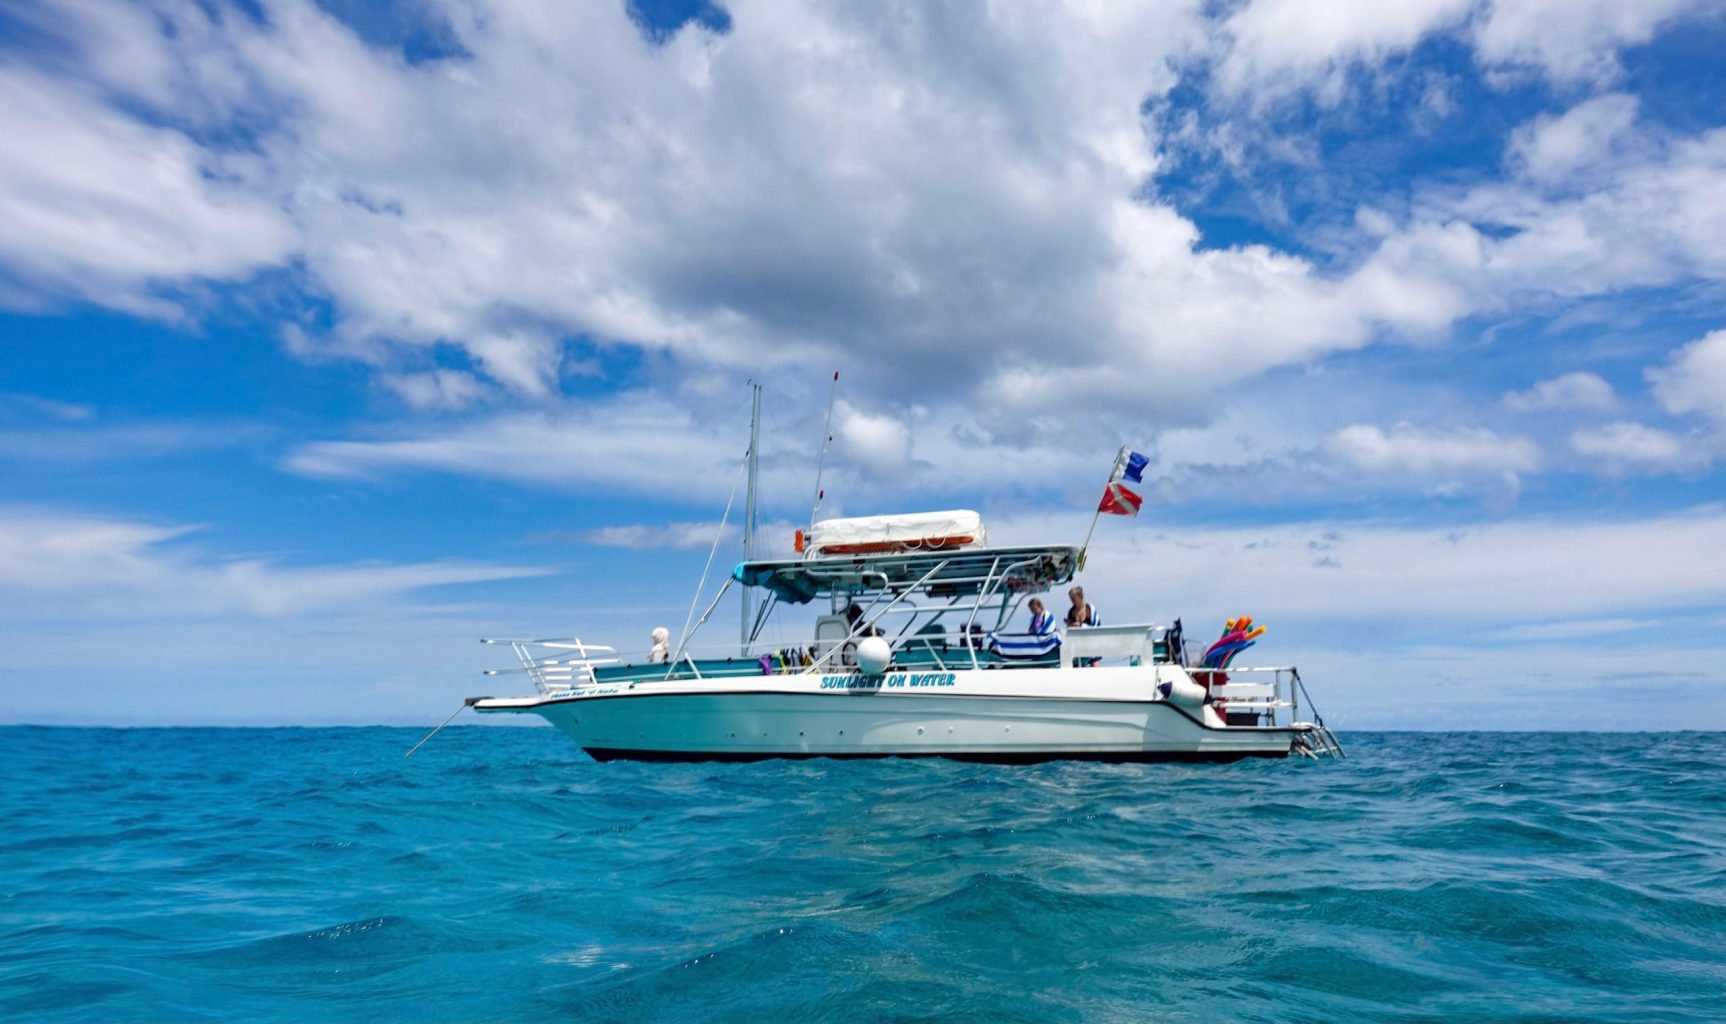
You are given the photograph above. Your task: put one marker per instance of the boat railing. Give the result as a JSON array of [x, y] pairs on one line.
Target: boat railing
[[556, 665], [1253, 695], [948, 650]]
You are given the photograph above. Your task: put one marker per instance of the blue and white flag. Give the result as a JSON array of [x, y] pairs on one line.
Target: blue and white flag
[[1136, 464]]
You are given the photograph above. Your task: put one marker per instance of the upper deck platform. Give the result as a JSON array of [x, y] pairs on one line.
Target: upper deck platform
[[1029, 569]]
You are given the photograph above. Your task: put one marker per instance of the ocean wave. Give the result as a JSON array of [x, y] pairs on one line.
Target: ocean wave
[[501, 876]]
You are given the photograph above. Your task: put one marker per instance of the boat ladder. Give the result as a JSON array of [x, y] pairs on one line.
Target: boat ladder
[[1317, 741], [1314, 740]]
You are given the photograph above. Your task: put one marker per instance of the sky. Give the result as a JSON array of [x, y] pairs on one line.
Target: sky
[[335, 336]]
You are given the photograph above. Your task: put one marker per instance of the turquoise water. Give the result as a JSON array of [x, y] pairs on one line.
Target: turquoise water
[[312, 874]]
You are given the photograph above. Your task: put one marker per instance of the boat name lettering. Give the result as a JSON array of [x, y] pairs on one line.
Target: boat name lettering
[[897, 680]]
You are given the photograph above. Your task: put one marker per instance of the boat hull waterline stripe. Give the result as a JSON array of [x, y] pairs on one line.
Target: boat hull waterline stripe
[[998, 757]]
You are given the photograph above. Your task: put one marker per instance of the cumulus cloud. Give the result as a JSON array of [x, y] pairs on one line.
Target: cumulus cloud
[[954, 204], [1578, 390], [1274, 44], [879, 442], [1271, 47], [1694, 379], [1572, 40], [1654, 220], [1407, 448]]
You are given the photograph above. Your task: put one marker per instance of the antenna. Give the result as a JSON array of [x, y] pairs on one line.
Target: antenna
[[749, 508], [826, 442]]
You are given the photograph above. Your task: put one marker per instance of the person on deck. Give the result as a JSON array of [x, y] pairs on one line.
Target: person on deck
[[853, 615], [660, 652], [1041, 621], [1081, 613]]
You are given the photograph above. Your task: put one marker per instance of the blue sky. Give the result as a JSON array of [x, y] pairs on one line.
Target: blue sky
[[335, 336]]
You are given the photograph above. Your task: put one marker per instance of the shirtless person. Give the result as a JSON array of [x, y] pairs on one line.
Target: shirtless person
[[1081, 614]]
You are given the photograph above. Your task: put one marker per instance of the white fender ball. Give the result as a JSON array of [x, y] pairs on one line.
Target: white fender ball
[[873, 655]]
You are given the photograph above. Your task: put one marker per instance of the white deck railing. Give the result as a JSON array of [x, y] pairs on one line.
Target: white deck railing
[[557, 671]]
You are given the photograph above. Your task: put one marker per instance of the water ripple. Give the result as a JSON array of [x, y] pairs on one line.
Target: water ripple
[[284, 875]]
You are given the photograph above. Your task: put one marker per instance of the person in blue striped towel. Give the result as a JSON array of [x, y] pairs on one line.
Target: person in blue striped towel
[[1041, 621]]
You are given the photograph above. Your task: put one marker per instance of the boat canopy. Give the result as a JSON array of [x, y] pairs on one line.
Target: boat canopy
[[946, 573]]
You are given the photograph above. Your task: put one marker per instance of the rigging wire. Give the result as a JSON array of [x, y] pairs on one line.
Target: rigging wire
[[718, 535]]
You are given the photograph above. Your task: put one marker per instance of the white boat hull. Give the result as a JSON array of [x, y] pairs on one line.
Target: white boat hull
[[1105, 714]]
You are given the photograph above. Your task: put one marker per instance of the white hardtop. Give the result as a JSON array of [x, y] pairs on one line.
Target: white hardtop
[[1013, 570]]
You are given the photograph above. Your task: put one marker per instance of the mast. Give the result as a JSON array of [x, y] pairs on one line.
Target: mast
[[748, 601]]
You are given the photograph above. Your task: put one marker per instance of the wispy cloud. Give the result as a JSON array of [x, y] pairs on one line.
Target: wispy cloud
[[1407, 448], [56, 563], [35, 407], [648, 536], [1578, 390], [1625, 446]]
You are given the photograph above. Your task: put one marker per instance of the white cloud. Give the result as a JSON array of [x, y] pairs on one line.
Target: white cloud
[[1654, 217], [1503, 573], [100, 206], [972, 235], [633, 442], [1571, 40], [1579, 629], [1694, 379], [1279, 43], [1578, 390], [656, 536], [1588, 135], [879, 442], [436, 389], [968, 226], [1626, 445], [60, 563], [1407, 448], [73, 440], [1271, 47], [37, 408]]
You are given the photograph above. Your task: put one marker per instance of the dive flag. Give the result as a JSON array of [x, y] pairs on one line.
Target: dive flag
[[1119, 501], [1136, 464]]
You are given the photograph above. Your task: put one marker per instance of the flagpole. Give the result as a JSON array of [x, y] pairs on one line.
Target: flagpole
[[1098, 514]]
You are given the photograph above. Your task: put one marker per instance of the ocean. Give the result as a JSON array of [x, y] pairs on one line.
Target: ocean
[[499, 875]]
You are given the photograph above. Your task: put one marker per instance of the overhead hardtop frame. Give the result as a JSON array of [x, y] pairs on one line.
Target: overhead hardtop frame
[[1031, 569]]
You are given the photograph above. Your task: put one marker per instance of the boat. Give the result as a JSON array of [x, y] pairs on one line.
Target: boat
[[911, 653]]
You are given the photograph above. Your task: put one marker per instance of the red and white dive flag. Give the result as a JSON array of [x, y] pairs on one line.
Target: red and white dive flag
[[1118, 500]]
